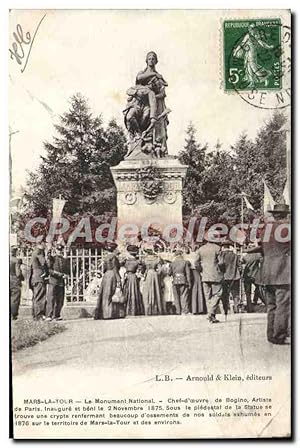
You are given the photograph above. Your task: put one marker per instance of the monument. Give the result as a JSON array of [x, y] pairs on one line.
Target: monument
[[149, 181]]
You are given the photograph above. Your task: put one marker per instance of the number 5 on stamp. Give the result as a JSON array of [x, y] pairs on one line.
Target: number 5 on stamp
[[252, 54]]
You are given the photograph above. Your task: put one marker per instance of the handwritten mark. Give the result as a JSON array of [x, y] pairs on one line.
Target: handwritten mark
[[18, 52]]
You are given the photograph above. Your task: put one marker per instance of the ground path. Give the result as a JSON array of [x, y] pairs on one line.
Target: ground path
[[128, 358], [159, 341]]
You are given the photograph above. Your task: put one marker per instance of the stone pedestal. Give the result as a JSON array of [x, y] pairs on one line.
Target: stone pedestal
[[133, 205]]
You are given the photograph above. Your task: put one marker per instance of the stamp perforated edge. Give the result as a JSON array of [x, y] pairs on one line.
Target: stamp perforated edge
[[283, 14]]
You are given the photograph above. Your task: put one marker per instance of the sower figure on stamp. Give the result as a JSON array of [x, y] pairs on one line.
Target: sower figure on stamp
[[276, 273], [15, 282], [231, 267], [247, 50], [56, 287], [212, 277], [37, 282], [182, 283]]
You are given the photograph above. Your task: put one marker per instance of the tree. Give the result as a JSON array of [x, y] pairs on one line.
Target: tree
[[216, 184], [205, 192], [270, 148], [258, 160], [216, 178], [76, 164], [243, 177], [193, 155]]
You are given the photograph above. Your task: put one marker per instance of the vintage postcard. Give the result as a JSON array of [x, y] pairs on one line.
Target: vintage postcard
[[150, 185]]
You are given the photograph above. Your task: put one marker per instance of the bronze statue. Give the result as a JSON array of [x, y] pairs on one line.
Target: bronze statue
[[146, 115]]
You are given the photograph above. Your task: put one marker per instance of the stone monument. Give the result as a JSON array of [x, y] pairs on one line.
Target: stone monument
[[149, 181]]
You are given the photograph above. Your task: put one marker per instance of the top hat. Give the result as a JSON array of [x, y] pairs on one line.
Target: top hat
[[280, 208]]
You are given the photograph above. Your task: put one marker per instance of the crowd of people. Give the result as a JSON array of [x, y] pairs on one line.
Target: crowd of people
[[199, 281], [48, 273], [186, 282]]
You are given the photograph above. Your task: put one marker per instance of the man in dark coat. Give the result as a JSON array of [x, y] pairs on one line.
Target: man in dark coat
[[37, 282], [15, 282], [212, 277], [58, 271], [231, 265], [251, 269], [276, 273], [182, 282]]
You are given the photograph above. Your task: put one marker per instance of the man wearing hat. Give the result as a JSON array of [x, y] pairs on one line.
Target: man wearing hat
[[212, 276], [182, 282], [276, 273], [251, 276], [37, 281], [56, 287], [15, 282], [231, 270]]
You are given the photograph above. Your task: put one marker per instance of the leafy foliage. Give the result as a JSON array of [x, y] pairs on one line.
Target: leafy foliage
[[76, 164], [217, 177], [194, 156]]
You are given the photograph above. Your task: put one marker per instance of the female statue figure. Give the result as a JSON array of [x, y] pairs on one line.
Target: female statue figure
[[146, 114]]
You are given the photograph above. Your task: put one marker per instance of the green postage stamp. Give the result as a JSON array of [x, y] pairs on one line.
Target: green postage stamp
[[252, 54]]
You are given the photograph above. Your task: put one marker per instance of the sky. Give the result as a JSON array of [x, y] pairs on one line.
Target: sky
[[99, 53]]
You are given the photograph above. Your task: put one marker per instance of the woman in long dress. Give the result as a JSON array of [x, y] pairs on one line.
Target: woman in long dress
[[111, 280], [198, 304], [151, 289], [132, 293]]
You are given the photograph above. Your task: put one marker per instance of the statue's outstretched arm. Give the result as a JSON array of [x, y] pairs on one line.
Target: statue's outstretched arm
[[142, 76]]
